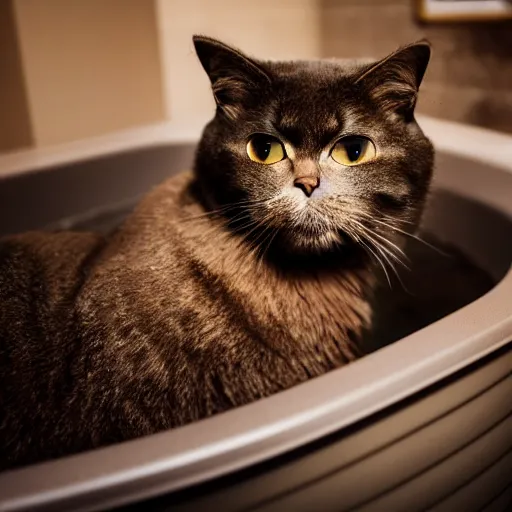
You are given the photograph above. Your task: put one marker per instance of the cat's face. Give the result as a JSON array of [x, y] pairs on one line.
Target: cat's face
[[316, 154]]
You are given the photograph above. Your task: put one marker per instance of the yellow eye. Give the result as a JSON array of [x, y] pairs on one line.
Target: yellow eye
[[353, 151], [265, 149]]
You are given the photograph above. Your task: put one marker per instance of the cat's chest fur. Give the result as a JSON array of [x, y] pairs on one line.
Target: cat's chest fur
[[176, 295]]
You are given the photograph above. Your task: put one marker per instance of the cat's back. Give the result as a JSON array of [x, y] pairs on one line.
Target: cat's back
[[43, 266], [40, 271], [40, 275]]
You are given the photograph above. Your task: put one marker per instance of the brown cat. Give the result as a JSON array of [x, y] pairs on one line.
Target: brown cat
[[228, 284]]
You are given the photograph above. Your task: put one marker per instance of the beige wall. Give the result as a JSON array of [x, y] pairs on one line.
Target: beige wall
[[470, 75], [280, 29], [97, 66], [15, 129], [91, 67]]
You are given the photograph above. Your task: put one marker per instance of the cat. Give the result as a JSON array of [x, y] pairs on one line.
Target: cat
[[247, 276]]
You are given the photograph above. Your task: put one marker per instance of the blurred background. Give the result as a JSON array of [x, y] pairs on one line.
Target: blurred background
[[76, 69]]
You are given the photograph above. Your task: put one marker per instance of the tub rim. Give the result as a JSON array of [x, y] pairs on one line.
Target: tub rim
[[243, 436]]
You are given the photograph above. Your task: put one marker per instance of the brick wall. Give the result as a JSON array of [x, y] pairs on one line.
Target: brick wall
[[470, 74]]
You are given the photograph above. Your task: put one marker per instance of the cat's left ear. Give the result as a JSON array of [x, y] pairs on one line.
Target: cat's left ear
[[394, 81], [237, 81]]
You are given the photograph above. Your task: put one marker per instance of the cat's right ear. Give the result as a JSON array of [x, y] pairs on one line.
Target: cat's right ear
[[394, 81], [237, 81]]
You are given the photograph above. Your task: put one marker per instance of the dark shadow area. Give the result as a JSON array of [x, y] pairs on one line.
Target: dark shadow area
[[440, 280], [443, 276]]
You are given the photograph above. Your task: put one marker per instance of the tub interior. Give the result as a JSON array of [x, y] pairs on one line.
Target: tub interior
[[463, 249]]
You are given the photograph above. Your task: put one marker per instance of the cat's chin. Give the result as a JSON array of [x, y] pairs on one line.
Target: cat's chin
[[315, 243]]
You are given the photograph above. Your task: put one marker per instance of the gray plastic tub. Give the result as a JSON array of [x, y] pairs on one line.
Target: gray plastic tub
[[425, 423]]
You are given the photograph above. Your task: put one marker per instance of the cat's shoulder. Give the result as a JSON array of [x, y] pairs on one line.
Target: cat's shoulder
[[175, 191], [168, 207]]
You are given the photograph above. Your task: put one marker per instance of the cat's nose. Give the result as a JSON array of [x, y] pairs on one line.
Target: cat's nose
[[307, 184]]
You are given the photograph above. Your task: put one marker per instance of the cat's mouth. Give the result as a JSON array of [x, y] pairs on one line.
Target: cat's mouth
[[299, 227]]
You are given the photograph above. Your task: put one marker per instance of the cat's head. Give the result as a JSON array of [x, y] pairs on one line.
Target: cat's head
[[319, 154]]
